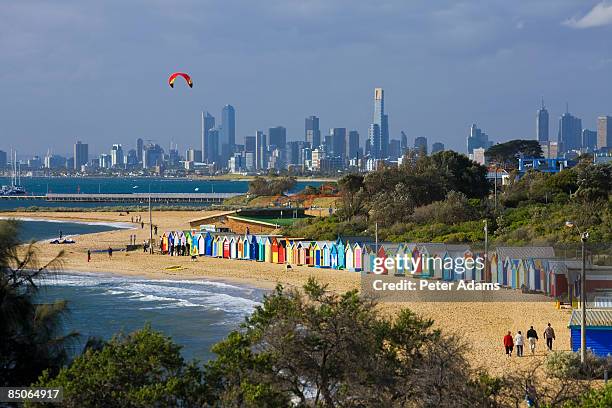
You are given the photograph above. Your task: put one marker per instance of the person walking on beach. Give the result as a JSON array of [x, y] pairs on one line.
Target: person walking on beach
[[88, 255], [141, 225], [508, 344], [549, 335], [110, 252], [519, 342], [155, 230], [532, 338], [61, 234]]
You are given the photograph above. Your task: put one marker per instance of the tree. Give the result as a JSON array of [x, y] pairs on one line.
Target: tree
[[351, 191], [143, 369], [594, 181], [321, 349], [261, 186], [506, 154], [31, 333]]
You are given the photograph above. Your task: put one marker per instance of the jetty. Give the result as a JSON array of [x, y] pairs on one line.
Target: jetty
[[208, 198]]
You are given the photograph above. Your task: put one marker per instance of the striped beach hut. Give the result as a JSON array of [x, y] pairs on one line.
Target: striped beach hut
[[233, 248], [325, 255], [301, 253], [226, 247], [164, 243], [289, 252]]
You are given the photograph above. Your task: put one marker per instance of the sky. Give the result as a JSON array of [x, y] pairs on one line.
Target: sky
[[97, 71]]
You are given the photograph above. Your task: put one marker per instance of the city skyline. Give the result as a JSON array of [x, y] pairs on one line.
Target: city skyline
[[427, 57]]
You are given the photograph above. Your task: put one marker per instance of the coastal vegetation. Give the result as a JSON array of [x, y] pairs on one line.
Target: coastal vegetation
[[446, 197]]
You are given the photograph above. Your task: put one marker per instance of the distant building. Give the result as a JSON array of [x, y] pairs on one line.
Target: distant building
[[106, 161], [550, 150], [477, 138], [116, 156], [139, 149], [250, 144], [277, 136], [153, 156], [131, 160], [395, 149], [312, 131], [379, 129], [33, 163], [3, 159], [227, 134], [589, 139], [542, 124], [81, 155], [338, 142], [261, 150], [317, 156], [208, 123], [212, 146], [403, 142], [570, 132], [194, 155], [437, 147], [352, 145], [478, 155], [604, 132], [54, 162], [420, 145]]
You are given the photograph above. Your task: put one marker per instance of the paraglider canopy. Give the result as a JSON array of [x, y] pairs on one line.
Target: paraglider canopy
[[182, 74]]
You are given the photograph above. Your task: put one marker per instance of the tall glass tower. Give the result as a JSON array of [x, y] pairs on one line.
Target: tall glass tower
[[228, 129], [542, 124], [379, 130]]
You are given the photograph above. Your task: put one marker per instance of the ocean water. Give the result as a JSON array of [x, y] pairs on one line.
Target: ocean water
[[38, 230], [195, 313], [124, 185]]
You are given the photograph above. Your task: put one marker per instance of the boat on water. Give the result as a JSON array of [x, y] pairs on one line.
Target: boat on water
[[15, 189]]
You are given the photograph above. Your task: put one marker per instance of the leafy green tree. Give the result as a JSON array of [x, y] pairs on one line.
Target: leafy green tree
[[31, 338], [594, 181], [321, 349], [352, 193], [260, 186], [507, 154], [143, 369]]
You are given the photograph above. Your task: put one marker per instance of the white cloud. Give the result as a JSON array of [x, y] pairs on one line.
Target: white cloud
[[600, 15]]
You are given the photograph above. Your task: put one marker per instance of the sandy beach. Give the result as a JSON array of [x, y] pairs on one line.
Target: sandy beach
[[480, 325]]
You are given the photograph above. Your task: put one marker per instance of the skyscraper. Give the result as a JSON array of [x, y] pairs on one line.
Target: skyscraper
[[139, 147], [338, 142], [570, 132], [81, 155], [352, 145], [277, 136], [212, 146], [604, 132], [3, 159], [228, 132], [250, 144], [589, 139], [542, 124], [312, 131], [208, 123], [403, 141], [261, 149], [437, 147], [420, 145], [117, 156], [477, 138], [379, 130]]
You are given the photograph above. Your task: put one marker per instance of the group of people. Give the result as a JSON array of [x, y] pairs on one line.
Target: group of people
[[178, 250], [518, 340]]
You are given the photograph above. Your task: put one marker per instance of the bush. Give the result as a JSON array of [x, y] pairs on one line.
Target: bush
[[564, 365]]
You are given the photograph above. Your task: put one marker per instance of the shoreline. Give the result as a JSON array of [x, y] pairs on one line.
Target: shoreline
[[480, 324]]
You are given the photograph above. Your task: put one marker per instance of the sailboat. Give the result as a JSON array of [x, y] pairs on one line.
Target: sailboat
[[15, 189]]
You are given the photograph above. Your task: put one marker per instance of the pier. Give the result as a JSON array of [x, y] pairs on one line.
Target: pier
[[207, 198]]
